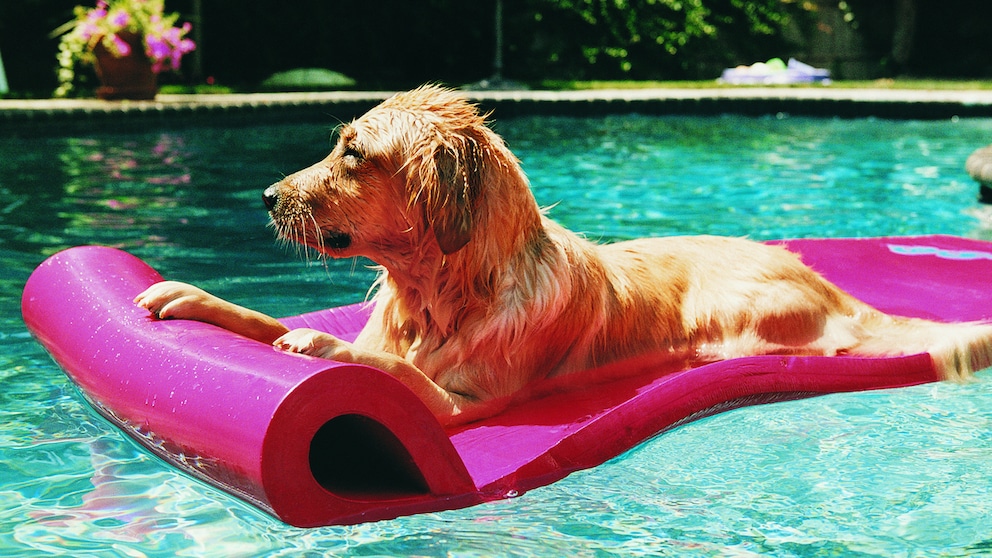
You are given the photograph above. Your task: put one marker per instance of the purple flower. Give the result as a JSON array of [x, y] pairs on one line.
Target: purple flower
[[95, 16], [156, 48], [88, 30], [173, 35], [120, 19], [122, 48]]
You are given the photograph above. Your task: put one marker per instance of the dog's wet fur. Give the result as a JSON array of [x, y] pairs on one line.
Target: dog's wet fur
[[481, 294]]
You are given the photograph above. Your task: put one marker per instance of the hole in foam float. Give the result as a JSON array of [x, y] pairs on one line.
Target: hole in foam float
[[355, 456]]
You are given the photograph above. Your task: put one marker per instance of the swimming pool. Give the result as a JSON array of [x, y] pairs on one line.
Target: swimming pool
[[893, 473]]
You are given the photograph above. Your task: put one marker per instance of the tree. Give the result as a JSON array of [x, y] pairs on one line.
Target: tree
[[659, 38], [905, 31]]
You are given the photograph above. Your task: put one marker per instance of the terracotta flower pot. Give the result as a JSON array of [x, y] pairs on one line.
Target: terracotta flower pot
[[127, 77]]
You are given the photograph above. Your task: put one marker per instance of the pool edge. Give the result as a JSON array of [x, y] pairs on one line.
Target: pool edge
[[59, 116]]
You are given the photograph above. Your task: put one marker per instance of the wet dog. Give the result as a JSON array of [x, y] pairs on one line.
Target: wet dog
[[480, 294]]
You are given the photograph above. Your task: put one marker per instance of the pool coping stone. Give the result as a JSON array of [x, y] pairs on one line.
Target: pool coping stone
[[60, 116]]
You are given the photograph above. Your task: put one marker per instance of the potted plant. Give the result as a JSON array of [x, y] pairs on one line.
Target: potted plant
[[129, 42]]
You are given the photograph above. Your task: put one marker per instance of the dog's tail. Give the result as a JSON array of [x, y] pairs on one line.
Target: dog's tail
[[957, 349]]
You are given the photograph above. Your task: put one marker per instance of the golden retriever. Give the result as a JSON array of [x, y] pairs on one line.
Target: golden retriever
[[480, 294]]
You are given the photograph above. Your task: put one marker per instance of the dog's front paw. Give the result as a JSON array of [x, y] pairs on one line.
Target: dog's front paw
[[315, 343], [172, 299]]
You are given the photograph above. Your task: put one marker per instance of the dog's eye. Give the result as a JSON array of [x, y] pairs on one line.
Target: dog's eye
[[354, 154]]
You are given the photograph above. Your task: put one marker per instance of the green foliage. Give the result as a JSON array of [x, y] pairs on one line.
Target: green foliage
[[659, 38], [394, 44], [670, 24]]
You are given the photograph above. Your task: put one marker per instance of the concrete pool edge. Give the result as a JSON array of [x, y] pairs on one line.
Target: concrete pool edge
[[60, 116]]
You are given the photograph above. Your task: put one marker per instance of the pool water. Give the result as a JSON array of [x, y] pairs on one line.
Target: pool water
[[890, 473]]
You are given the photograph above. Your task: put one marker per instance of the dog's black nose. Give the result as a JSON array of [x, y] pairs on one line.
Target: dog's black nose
[[270, 197]]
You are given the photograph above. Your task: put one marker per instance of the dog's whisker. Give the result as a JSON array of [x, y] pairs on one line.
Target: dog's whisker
[[304, 226], [320, 237], [293, 235]]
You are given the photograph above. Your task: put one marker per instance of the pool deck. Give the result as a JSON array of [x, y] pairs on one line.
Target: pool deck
[[59, 116]]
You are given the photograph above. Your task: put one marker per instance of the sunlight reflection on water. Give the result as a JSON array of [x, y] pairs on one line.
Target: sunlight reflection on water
[[883, 473]]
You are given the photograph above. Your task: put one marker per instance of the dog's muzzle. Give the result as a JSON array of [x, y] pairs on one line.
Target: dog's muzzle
[[336, 240]]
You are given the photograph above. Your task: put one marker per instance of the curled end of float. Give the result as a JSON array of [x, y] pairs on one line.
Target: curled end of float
[[312, 441], [353, 444]]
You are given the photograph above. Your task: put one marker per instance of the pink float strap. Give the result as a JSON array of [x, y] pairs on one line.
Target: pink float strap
[[315, 442]]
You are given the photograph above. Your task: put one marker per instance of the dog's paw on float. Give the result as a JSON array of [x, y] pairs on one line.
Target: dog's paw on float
[[315, 343], [175, 300]]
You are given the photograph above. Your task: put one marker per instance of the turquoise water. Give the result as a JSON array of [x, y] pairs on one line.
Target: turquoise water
[[892, 473]]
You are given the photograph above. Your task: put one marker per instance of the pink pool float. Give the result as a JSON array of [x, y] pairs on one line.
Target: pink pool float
[[316, 442]]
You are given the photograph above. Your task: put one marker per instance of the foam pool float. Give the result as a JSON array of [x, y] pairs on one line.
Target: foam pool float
[[775, 72], [315, 442]]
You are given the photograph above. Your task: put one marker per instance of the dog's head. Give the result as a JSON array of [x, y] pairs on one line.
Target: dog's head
[[406, 178]]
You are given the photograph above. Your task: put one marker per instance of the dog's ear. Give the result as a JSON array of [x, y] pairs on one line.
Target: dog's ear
[[452, 189]]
